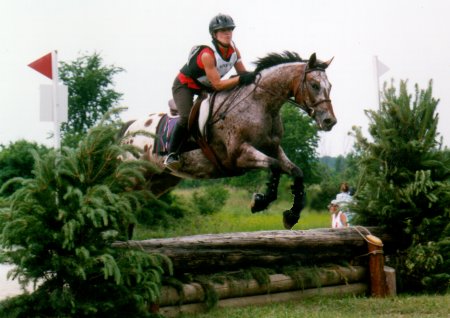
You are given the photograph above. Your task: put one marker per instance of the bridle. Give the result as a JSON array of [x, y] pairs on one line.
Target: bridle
[[310, 109]]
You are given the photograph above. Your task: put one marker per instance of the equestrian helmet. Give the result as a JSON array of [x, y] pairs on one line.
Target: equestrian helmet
[[219, 22]]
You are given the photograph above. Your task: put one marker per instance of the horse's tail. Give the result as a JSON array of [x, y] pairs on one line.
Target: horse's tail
[[124, 128]]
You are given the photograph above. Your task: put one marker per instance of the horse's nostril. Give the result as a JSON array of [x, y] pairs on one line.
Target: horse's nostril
[[329, 122]]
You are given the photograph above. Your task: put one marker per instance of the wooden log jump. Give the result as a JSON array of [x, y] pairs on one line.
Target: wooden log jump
[[215, 252]]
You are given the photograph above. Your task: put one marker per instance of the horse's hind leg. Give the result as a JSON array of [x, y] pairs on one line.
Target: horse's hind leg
[[163, 182], [261, 201]]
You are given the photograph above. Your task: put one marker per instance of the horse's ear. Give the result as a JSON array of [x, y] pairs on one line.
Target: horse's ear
[[312, 60], [327, 63]]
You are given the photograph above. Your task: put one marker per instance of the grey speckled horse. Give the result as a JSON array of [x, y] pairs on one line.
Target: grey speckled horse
[[245, 129]]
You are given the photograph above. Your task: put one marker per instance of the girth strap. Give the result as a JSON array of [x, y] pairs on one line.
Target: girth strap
[[199, 138]]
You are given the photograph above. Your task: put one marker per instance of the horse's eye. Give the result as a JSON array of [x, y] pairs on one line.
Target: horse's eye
[[315, 86]]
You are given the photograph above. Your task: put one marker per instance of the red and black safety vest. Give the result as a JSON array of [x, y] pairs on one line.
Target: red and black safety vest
[[194, 69]]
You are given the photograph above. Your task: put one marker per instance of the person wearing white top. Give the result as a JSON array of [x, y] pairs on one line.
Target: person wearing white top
[[338, 218]]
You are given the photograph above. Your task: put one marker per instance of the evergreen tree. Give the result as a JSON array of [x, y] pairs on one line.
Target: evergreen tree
[[405, 184], [58, 230]]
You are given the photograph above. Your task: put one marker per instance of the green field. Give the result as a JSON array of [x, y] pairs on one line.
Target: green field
[[235, 216]]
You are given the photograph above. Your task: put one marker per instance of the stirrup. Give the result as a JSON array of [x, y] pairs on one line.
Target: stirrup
[[172, 161]]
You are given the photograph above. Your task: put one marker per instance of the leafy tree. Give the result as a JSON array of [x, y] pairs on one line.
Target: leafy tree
[[58, 230], [16, 160], [90, 94], [300, 141], [405, 184]]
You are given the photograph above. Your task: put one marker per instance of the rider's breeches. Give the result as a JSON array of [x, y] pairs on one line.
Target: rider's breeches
[[184, 99]]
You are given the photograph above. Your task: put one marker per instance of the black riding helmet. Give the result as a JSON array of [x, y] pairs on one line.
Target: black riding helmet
[[219, 22]]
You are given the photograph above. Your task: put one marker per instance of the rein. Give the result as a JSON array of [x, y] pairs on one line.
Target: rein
[[230, 105]]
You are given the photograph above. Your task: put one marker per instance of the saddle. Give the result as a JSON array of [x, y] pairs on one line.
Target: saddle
[[198, 129]]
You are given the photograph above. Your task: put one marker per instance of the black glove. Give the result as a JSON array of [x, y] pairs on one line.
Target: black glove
[[247, 78]]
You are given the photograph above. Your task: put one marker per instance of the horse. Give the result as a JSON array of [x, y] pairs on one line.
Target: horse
[[244, 130]]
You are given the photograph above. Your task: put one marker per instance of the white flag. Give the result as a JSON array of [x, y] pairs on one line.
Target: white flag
[[381, 68], [47, 104]]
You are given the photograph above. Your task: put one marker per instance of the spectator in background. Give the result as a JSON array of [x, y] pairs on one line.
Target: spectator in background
[[344, 196], [344, 199], [338, 218]]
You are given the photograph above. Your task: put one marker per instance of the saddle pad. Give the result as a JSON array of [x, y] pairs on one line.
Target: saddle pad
[[164, 133], [203, 117]]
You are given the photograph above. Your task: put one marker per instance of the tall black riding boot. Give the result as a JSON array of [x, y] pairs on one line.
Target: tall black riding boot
[[172, 161]]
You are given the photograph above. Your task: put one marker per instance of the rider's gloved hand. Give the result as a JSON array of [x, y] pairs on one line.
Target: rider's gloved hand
[[247, 78]]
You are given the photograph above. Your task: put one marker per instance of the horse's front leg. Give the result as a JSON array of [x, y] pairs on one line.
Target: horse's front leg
[[251, 158], [291, 216], [261, 201]]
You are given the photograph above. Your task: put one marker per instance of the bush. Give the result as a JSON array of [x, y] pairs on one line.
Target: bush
[[16, 160], [162, 212], [320, 196], [59, 227], [210, 199]]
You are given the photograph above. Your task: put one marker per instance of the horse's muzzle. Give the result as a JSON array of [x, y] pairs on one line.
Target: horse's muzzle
[[328, 123]]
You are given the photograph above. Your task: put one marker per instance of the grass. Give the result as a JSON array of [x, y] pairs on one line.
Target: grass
[[234, 216], [333, 307]]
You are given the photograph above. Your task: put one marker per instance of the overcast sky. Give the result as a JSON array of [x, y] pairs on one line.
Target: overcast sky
[[151, 41]]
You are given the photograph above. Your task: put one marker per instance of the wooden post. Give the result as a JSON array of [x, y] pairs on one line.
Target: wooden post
[[376, 266], [391, 285]]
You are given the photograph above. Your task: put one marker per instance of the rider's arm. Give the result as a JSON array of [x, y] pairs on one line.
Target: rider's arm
[[213, 75], [239, 66]]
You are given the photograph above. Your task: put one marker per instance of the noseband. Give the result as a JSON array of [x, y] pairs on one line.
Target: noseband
[[310, 109]]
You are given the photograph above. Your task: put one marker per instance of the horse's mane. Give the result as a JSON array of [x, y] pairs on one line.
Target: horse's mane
[[273, 59]]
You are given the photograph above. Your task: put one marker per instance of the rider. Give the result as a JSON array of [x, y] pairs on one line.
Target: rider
[[203, 71]]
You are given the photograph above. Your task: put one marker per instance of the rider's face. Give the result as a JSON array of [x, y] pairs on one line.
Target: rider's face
[[224, 36]]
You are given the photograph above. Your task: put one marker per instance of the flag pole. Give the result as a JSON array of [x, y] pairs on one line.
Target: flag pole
[[377, 80], [55, 78]]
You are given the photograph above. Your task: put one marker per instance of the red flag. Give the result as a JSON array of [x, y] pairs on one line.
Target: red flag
[[43, 65]]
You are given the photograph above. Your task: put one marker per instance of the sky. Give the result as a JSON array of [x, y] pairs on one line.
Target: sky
[[151, 41]]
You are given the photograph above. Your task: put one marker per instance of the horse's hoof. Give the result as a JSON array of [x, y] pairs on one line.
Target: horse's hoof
[[172, 162], [289, 219], [259, 202]]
